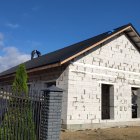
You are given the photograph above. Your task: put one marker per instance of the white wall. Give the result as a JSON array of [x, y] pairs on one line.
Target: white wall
[[60, 75], [116, 62], [62, 82]]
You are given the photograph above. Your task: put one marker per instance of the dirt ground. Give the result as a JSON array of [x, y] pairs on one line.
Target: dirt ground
[[127, 133]]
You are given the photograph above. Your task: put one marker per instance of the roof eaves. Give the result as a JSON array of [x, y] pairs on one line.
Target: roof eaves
[[56, 64]]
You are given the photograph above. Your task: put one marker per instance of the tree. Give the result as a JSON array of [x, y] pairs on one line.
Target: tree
[[20, 81], [18, 121]]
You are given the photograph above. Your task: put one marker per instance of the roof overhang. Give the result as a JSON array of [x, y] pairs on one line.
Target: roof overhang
[[33, 70], [133, 36]]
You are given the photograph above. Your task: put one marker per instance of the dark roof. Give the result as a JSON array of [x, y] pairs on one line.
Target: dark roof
[[64, 53]]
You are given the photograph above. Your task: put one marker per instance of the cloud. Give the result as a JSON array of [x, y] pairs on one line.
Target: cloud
[[1, 40], [13, 26], [1, 37], [36, 8], [10, 56]]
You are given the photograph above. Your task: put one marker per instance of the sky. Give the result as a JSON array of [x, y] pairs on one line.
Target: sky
[[48, 25]]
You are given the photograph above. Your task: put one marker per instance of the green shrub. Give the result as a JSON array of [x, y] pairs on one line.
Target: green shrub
[[18, 123]]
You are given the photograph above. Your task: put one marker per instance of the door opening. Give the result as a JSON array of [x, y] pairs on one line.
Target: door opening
[[107, 101], [135, 101]]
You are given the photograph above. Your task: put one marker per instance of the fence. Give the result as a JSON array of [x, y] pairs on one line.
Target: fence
[[35, 116]]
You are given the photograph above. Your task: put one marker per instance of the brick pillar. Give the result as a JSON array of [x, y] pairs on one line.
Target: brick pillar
[[51, 114]]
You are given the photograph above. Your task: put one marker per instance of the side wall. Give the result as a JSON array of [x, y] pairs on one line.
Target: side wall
[[58, 75], [37, 82], [116, 62]]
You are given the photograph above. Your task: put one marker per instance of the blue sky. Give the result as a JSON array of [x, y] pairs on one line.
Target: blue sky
[[47, 25]]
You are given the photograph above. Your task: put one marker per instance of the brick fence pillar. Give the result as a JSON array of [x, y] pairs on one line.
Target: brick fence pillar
[[51, 114]]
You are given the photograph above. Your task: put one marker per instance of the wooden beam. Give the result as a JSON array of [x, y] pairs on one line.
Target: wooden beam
[[133, 35], [137, 42], [91, 47], [135, 32], [129, 31], [44, 67]]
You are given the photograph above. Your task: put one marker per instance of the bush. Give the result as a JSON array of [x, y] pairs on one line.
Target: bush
[[18, 123]]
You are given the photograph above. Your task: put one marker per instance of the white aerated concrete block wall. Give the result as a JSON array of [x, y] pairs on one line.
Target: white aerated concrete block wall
[[62, 82], [116, 62]]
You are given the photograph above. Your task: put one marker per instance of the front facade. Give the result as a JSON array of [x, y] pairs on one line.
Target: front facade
[[101, 85]]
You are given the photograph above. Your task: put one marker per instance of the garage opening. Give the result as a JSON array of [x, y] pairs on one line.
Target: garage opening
[[135, 94], [107, 103]]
